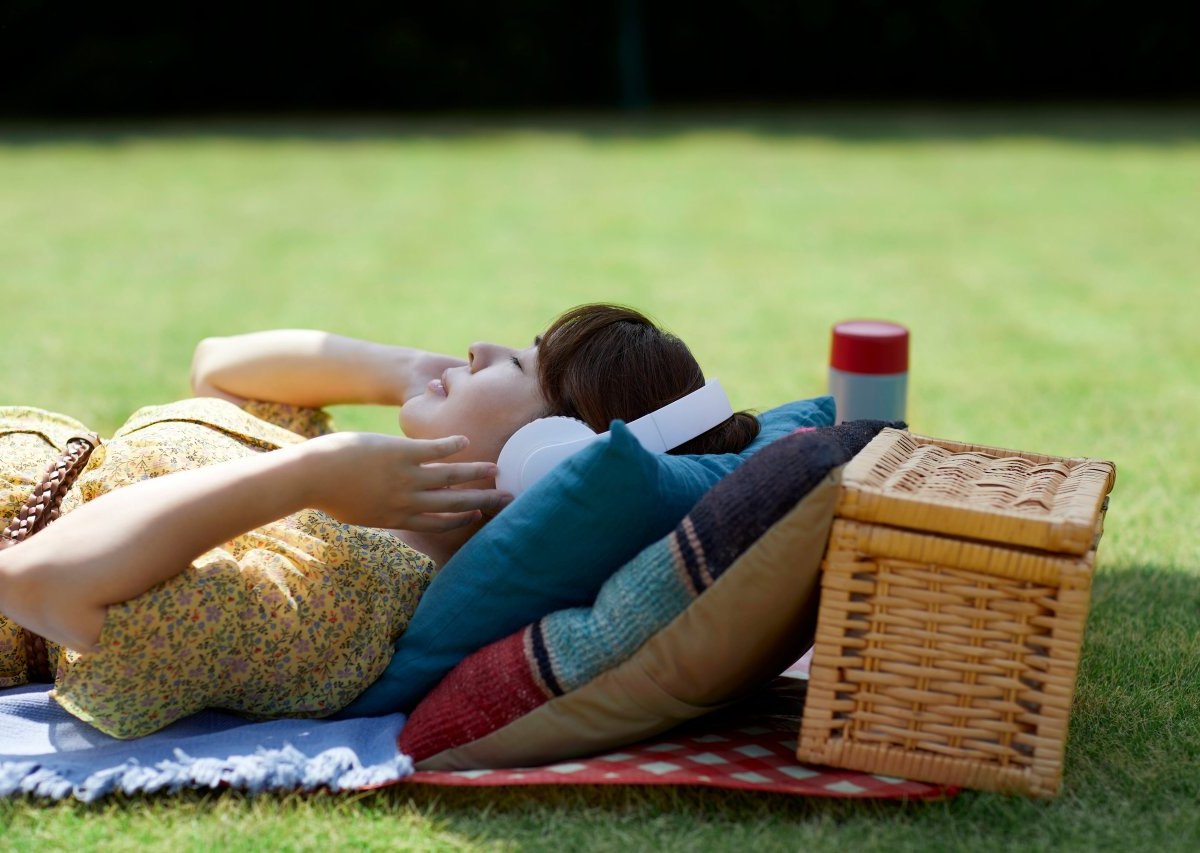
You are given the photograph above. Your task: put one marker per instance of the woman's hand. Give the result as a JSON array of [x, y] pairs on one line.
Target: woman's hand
[[386, 481]]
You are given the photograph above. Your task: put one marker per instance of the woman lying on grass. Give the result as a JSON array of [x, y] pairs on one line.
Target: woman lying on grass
[[275, 584]]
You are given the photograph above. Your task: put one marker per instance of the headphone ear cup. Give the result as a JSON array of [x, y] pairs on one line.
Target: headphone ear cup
[[535, 436]]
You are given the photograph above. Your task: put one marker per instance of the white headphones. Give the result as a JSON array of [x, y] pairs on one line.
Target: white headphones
[[540, 445]]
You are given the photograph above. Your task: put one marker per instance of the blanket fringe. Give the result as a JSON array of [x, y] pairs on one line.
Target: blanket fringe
[[283, 769]]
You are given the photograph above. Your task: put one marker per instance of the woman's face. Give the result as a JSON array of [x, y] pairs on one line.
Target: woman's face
[[488, 399]]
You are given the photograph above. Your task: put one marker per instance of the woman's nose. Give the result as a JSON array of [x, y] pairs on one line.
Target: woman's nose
[[480, 354]]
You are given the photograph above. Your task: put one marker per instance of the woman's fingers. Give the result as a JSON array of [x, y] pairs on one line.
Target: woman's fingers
[[436, 475], [431, 522], [461, 500], [388, 481], [432, 449]]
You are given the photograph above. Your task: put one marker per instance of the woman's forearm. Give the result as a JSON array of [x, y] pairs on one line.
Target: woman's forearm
[[306, 367], [60, 582]]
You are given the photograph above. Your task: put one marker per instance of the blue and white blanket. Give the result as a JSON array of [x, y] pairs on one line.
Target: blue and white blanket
[[46, 752]]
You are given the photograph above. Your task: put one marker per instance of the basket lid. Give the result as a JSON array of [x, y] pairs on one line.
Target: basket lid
[[978, 492]]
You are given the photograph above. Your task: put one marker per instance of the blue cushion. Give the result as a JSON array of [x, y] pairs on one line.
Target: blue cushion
[[554, 547]]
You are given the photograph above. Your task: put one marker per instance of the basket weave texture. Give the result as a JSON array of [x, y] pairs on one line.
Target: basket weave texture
[[952, 658], [976, 491]]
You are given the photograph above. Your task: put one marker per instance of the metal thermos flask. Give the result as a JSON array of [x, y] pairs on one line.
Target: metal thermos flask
[[868, 370]]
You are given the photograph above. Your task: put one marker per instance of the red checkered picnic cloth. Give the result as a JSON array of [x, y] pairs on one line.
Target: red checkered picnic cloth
[[754, 749], [751, 757]]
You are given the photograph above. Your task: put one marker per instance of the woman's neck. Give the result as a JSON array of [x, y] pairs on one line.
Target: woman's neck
[[439, 547]]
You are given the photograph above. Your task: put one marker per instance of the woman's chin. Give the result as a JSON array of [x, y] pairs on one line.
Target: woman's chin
[[411, 419]]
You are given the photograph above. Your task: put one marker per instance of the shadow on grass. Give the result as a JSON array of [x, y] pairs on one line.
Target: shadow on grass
[[1136, 718], [1119, 123]]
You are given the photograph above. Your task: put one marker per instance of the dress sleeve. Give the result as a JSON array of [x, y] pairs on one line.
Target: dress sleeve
[[301, 420]]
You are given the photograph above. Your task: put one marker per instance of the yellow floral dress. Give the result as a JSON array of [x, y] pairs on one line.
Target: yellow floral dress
[[293, 619]]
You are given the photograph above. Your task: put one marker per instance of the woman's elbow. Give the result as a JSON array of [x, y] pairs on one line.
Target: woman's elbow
[[205, 361], [33, 595], [202, 364], [22, 585]]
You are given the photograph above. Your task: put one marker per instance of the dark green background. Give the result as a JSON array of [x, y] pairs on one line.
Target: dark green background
[[78, 59]]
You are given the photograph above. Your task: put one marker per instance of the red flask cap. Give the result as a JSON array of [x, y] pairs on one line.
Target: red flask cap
[[869, 346]]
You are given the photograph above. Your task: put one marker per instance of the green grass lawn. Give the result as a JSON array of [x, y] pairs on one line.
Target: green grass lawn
[[1046, 261]]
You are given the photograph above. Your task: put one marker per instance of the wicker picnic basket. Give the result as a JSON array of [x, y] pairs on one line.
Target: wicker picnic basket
[[954, 594]]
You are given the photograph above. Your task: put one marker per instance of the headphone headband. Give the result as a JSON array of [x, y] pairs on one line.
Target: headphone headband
[[539, 446], [684, 419]]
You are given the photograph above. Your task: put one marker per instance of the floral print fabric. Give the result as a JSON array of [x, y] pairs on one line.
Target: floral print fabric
[[295, 618]]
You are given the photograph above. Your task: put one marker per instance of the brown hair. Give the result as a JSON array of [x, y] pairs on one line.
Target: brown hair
[[601, 362]]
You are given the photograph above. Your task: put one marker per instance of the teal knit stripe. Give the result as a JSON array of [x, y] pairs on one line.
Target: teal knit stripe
[[633, 605]]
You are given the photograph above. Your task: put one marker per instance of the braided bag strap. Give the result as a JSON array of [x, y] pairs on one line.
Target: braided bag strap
[[40, 509]]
